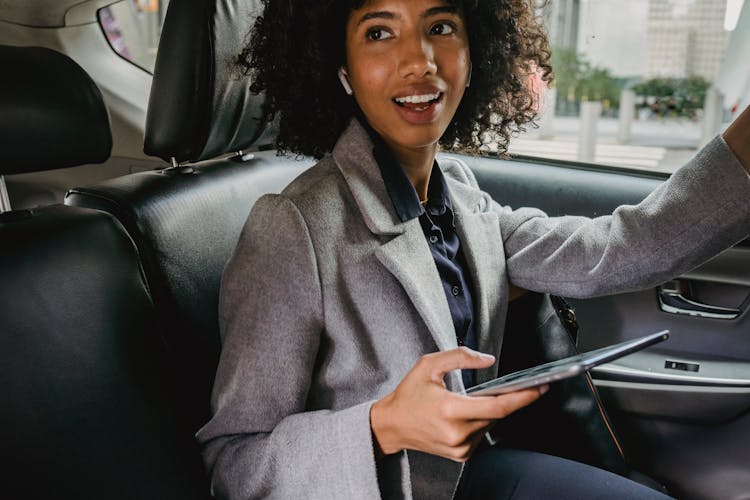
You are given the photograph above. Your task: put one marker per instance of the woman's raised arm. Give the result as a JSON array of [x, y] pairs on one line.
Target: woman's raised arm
[[703, 209]]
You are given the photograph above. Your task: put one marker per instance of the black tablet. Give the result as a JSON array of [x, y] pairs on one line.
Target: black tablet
[[563, 368]]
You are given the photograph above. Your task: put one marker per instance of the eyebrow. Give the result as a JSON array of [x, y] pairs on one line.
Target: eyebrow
[[376, 15], [449, 9]]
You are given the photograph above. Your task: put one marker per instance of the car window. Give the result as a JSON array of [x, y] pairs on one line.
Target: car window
[[642, 89], [639, 83], [132, 28]]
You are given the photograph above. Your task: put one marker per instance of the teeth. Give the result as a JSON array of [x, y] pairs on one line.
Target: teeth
[[416, 99]]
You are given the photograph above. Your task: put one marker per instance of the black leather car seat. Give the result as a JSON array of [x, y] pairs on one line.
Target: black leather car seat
[[88, 401], [186, 218]]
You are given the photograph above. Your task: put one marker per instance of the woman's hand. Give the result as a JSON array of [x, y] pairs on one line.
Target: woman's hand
[[421, 414], [738, 138]]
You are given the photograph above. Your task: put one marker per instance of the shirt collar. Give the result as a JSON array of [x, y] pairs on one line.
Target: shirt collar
[[400, 190]]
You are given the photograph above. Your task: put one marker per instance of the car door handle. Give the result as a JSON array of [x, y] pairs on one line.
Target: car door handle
[[672, 300]]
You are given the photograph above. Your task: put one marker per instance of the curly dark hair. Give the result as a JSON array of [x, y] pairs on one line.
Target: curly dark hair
[[296, 48]]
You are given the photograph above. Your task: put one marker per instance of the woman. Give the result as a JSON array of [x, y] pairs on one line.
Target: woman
[[344, 303]]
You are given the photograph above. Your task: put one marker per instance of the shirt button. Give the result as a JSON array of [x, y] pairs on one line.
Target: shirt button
[[433, 239], [455, 291]]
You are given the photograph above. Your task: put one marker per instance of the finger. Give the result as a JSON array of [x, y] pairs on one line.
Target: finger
[[439, 363], [494, 407]]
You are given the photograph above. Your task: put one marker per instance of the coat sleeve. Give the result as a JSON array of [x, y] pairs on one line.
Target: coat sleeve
[[702, 209], [261, 442]]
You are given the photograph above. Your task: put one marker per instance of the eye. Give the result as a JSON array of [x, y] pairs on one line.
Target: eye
[[377, 33], [443, 28]]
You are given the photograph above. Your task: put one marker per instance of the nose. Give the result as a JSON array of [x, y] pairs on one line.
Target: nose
[[417, 57]]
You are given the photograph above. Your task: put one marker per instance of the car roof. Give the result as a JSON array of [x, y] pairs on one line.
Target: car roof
[[42, 13]]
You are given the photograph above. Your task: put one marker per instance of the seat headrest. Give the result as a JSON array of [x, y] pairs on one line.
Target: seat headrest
[[51, 113], [201, 105]]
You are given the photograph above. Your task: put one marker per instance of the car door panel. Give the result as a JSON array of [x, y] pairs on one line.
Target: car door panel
[[682, 407]]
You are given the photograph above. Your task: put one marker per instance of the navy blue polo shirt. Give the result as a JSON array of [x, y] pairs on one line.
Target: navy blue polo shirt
[[437, 221]]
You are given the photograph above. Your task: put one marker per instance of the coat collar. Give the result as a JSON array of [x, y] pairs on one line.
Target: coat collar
[[353, 155]]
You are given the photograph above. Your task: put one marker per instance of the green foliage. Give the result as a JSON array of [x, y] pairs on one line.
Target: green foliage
[[577, 80], [679, 97]]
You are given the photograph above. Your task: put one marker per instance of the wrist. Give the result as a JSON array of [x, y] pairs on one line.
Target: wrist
[[384, 433]]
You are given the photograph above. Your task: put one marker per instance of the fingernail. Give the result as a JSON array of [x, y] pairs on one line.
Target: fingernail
[[487, 356], [543, 390]]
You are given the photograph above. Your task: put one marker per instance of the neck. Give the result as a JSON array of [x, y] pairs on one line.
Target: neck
[[417, 165]]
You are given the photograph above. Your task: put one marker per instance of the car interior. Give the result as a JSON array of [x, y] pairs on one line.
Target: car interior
[[114, 234]]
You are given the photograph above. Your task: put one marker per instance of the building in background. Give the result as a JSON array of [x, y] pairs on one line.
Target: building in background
[[611, 35], [686, 38], [561, 18]]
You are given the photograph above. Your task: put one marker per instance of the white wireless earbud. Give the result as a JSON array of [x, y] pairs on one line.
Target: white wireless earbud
[[345, 81], [468, 80]]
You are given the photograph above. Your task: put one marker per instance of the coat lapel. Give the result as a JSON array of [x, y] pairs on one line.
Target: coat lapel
[[405, 255], [408, 258]]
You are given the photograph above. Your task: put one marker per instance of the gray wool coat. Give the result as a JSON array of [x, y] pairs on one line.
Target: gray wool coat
[[329, 300]]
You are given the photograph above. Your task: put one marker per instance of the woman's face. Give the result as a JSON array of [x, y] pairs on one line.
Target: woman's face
[[407, 63]]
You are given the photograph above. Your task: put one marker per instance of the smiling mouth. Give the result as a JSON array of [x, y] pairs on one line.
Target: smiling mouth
[[418, 102]]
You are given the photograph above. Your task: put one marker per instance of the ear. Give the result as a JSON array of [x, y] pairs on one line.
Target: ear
[[345, 81]]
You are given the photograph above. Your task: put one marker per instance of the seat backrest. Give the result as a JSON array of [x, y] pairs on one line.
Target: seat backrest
[[186, 220], [89, 407]]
